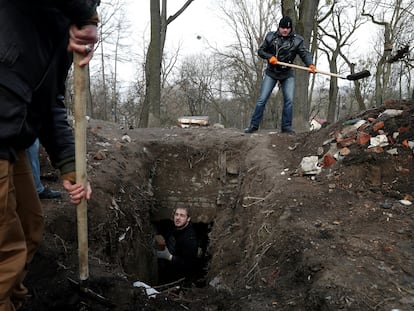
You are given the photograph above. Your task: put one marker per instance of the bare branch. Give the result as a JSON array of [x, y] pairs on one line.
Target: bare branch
[[178, 13]]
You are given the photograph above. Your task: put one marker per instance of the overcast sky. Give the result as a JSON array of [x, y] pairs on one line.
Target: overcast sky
[[198, 26], [200, 20]]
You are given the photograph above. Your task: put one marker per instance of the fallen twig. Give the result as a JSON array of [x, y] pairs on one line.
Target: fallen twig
[[168, 285], [255, 198], [258, 259]]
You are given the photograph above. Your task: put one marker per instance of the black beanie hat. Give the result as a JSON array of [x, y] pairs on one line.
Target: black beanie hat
[[285, 22]]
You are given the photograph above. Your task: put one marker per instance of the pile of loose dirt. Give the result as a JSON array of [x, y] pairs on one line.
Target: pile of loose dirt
[[277, 239]]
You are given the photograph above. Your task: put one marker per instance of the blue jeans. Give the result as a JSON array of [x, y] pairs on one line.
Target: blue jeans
[[33, 155], [288, 91]]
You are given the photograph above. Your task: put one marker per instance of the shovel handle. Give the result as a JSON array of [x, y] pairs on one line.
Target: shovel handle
[[307, 69], [81, 91]]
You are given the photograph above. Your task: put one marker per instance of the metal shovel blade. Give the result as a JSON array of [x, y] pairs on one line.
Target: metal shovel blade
[[358, 75]]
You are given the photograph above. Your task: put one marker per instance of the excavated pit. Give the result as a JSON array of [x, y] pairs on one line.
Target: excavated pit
[[273, 239], [204, 180]]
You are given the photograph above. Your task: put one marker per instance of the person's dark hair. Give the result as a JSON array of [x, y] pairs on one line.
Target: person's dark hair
[[286, 22]]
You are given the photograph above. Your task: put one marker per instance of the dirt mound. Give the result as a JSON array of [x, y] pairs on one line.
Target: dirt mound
[[276, 237]]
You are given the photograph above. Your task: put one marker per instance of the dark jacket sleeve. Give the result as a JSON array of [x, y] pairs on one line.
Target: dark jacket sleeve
[[53, 128], [34, 37], [57, 138], [302, 51], [80, 12], [55, 133], [266, 50]]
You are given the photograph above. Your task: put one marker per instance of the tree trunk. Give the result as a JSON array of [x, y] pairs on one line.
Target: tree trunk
[[151, 111], [303, 26], [333, 90], [114, 111], [105, 105]]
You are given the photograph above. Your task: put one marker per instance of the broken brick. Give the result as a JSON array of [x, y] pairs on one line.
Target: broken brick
[[378, 125], [405, 143], [362, 138], [328, 160], [403, 129], [346, 141]]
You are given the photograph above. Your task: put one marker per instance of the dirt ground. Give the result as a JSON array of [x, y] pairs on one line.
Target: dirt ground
[[279, 238]]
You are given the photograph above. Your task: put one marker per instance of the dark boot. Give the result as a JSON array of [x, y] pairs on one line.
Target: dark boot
[[288, 131], [251, 129], [49, 194]]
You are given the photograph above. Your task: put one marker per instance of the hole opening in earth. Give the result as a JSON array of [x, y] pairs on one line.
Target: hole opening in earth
[[202, 231]]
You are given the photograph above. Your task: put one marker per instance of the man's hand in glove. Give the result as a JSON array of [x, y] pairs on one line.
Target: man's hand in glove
[[273, 60], [165, 254], [312, 68]]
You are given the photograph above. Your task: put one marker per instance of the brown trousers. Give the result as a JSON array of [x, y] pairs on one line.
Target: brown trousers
[[21, 229]]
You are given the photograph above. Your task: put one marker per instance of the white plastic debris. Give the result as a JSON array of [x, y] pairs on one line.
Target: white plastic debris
[[123, 235], [104, 144], [349, 130], [314, 125], [391, 113], [151, 292], [328, 141], [405, 202], [378, 141], [393, 151], [309, 165], [218, 126], [395, 135], [126, 139]]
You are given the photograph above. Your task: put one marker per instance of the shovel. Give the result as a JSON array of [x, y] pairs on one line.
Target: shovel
[[81, 98], [81, 87], [352, 77]]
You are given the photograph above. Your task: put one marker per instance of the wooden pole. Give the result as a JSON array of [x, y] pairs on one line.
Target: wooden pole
[[81, 92]]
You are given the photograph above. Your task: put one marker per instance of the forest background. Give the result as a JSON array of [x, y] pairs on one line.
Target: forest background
[[160, 60]]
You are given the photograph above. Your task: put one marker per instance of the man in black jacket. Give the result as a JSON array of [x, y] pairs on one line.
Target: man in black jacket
[[36, 37], [282, 45], [178, 258]]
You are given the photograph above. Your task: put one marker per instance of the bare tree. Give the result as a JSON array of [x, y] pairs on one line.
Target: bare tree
[[196, 83], [111, 50], [393, 18], [336, 35], [159, 22]]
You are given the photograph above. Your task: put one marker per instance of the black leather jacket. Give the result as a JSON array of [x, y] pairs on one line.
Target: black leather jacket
[[33, 66], [285, 49]]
